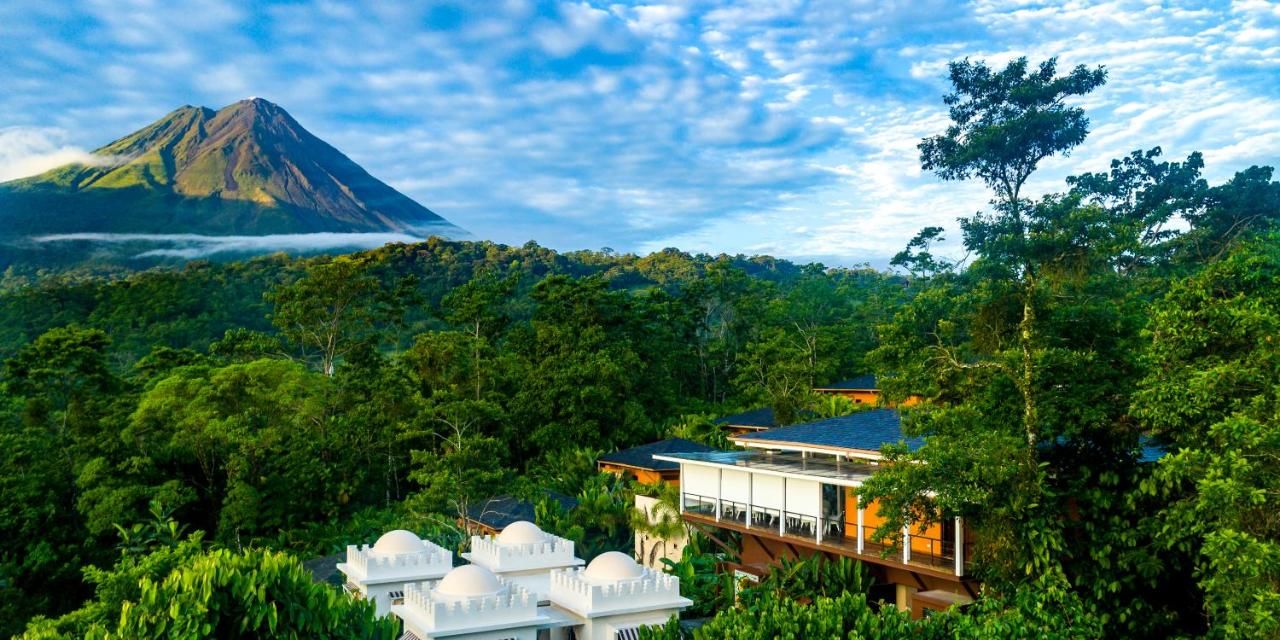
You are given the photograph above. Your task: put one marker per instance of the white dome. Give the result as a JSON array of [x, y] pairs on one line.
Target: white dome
[[399, 542], [469, 581], [522, 532], [612, 566]]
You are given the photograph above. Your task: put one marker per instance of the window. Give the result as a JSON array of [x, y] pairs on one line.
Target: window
[[632, 633]]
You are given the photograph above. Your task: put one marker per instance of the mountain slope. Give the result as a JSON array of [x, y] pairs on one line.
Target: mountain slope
[[246, 169]]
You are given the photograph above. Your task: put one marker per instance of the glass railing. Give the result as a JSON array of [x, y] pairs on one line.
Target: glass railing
[[925, 550], [765, 518], [734, 511], [702, 505], [833, 526], [801, 525], [930, 551]]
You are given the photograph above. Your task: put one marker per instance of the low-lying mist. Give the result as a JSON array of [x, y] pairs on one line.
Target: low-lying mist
[[190, 245]]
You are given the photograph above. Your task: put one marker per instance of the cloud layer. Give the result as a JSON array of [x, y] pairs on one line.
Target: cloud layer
[[773, 126], [191, 245]]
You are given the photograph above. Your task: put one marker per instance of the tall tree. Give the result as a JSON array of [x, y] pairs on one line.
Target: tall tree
[[334, 307], [1028, 355], [465, 467], [479, 307], [1003, 125]]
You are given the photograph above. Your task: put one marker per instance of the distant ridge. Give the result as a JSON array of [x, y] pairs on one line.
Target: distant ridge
[[246, 169]]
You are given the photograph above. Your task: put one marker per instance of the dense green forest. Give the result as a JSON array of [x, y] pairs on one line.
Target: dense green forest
[[169, 430], [302, 404]]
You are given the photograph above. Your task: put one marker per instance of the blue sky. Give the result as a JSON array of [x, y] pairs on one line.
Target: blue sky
[[782, 127]]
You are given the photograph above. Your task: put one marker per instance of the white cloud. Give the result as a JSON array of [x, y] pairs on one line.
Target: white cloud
[[718, 125], [27, 151]]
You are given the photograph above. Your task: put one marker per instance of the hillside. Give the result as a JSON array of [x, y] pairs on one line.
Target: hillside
[[246, 169]]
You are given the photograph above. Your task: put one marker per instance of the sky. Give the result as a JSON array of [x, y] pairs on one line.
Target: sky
[[780, 127]]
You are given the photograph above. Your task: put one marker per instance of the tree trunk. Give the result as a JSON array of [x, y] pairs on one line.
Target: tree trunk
[[475, 358], [1027, 339]]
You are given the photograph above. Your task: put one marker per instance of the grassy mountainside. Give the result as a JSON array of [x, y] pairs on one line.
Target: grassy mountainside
[[248, 168]]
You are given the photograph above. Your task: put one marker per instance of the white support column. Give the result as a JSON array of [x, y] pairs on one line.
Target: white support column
[[818, 523], [959, 547], [857, 502], [906, 544], [682, 487], [719, 491], [751, 498], [782, 513]]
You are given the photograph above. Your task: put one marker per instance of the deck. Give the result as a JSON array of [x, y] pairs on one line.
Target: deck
[[933, 565]]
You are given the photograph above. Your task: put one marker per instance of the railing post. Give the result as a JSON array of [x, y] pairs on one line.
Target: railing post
[[906, 544], [751, 498], [782, 513], [959, 547], [719, 491], [857, 501]]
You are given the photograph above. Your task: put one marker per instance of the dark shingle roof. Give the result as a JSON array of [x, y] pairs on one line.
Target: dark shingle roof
[[497, 513], [861, 382], [866, 430], [762, 417], [641, 457]]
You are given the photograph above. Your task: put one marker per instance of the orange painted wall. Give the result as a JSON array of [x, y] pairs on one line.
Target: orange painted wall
[[923, 540], [927, 540], [870, 517], [643, 476], [859, 396]]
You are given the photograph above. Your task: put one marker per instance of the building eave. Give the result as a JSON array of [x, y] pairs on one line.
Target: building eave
[[783, 445]]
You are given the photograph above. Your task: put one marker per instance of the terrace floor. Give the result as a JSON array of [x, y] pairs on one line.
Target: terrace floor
[[934, 565]]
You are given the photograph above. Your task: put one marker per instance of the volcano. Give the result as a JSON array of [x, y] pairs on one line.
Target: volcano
[[244, 170]]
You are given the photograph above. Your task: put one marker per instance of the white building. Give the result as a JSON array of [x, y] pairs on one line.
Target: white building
[[472, 603], [523, 584], [380, 572], [524, 555], [614, 596]]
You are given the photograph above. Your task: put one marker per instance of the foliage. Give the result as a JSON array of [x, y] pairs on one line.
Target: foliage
[[662, 520], [1213, 394], [808, 579], [601, 520], [699, 428], [147, 550], [1004, 123], [461, 472], [334, 308], [1045, 608], [251, 594], [277, 400], [701, 581]]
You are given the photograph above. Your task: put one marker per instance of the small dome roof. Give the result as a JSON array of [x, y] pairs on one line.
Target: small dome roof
[[469, 581], [398, 542], [612, 566], [522, 532]]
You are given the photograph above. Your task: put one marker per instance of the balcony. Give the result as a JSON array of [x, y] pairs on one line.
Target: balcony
[[832, 532]]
